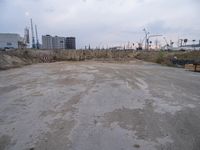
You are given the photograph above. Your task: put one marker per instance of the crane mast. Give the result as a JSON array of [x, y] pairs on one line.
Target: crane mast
[[37, 40], [33, 38]]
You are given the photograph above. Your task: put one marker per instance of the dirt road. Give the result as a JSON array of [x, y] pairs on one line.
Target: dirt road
[[99, 106]]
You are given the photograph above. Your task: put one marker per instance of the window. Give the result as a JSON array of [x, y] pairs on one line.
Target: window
[[9, 44]]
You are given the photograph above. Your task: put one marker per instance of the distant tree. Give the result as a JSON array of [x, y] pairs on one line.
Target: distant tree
[[185, 41], [193, 43]]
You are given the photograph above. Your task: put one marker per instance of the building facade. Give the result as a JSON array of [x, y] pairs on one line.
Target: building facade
[[10, 40], [58, 42], [49, 42], [70, 43]]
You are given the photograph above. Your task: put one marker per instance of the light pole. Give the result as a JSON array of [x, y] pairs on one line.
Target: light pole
[[146, 38]]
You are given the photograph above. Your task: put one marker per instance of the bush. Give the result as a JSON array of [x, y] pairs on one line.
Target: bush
[[160, 57]]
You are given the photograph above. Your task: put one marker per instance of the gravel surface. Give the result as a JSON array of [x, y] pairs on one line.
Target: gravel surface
[[99, 106]]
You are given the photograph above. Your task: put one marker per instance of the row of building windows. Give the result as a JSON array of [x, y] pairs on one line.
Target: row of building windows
[[56, 42]]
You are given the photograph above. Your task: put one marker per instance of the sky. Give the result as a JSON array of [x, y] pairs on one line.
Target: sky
[[103, 23]]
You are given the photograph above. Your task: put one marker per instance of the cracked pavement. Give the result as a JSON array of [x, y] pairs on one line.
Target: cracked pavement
[[99, 106]]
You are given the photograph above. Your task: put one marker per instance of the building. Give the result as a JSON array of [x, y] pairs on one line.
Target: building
[[47, 42], [10, 41], [58, 42], [70, 43]]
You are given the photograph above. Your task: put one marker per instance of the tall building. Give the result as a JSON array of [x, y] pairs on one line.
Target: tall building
[[58, 42], [70, 43], [10, 40], [47, 42]]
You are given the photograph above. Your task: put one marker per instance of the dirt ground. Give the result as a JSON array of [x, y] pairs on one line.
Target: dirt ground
[[99, 106]]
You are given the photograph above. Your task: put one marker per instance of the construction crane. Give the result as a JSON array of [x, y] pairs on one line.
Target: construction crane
[[26, 36], [147, 38], [168, 46], [32, 32], [37, 40], [166, 41]]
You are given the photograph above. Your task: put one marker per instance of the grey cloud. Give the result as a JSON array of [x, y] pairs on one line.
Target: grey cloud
[[93, 21], [50, 10]]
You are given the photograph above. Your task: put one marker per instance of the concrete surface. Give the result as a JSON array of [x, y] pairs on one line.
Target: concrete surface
[[99, 106]]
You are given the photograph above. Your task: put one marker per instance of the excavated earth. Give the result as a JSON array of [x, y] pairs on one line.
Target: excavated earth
[[99, 106]]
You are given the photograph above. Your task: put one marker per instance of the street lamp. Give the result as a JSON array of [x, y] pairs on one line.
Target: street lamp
[[146, 38]]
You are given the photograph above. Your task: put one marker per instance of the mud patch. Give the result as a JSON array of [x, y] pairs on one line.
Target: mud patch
[[64, 109], [5, 140], [7, 89], [68, 106], [115, 85], [57, 137], [136, 120], [126, 119], [70, 81]]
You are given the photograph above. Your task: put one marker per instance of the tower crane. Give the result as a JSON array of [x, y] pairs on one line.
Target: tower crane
[[32, 32], [37, 40], [147, 38], [167, 44]]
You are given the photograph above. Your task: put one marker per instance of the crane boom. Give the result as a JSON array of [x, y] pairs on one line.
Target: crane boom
[[165, 40]]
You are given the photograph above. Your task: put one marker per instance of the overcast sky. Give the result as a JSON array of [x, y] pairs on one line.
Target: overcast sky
[[103, 22]]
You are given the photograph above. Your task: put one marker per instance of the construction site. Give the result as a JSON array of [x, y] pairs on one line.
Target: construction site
[[99, 75], [98, 99]]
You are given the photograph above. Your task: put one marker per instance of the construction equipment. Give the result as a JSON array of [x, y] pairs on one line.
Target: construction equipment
[[147, 38], [37, 40], [139, 46], [26, 36], [167, 46], [193, 67], [32, 32]]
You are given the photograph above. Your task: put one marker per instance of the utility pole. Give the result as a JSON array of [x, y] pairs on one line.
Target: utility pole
[[181, 44], [156, 43], [33, 38], [146, 39]]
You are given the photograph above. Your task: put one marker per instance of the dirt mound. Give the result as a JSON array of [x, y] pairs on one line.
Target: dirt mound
[[19, 58], [7, 61]]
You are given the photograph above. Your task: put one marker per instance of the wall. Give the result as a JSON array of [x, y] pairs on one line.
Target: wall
[[9, 40]]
